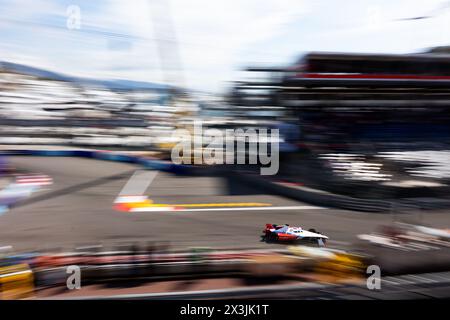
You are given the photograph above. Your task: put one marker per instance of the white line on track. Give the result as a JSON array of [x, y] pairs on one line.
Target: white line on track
[[172, 209], [138, 182]]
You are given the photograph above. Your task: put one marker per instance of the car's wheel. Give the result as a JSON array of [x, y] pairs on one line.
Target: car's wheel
[[271, 237], [318, 242]]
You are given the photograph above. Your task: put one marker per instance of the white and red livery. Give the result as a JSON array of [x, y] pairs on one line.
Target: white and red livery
[[287, 233]]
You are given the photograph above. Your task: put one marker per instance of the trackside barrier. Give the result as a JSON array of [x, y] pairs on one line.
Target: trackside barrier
[[316, 198], [325, 199], [104, 155], [393, 287]]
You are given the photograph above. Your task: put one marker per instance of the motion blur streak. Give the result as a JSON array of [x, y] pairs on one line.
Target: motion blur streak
[[95, 97]]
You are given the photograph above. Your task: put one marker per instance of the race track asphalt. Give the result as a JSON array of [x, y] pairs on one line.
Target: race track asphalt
[[77, 210]]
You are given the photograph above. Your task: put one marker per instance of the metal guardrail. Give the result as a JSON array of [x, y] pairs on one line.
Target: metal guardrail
[[417, 286]]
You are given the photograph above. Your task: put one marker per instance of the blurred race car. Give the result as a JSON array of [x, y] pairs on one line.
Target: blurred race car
[[286, 233]]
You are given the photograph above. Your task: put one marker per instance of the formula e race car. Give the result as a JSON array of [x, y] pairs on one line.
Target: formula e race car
[[286, 233]]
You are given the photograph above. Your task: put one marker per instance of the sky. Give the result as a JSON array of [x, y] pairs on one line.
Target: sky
[[202, 44]]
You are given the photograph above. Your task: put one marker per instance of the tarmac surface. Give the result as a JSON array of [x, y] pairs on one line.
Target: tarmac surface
[[77, 210]]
